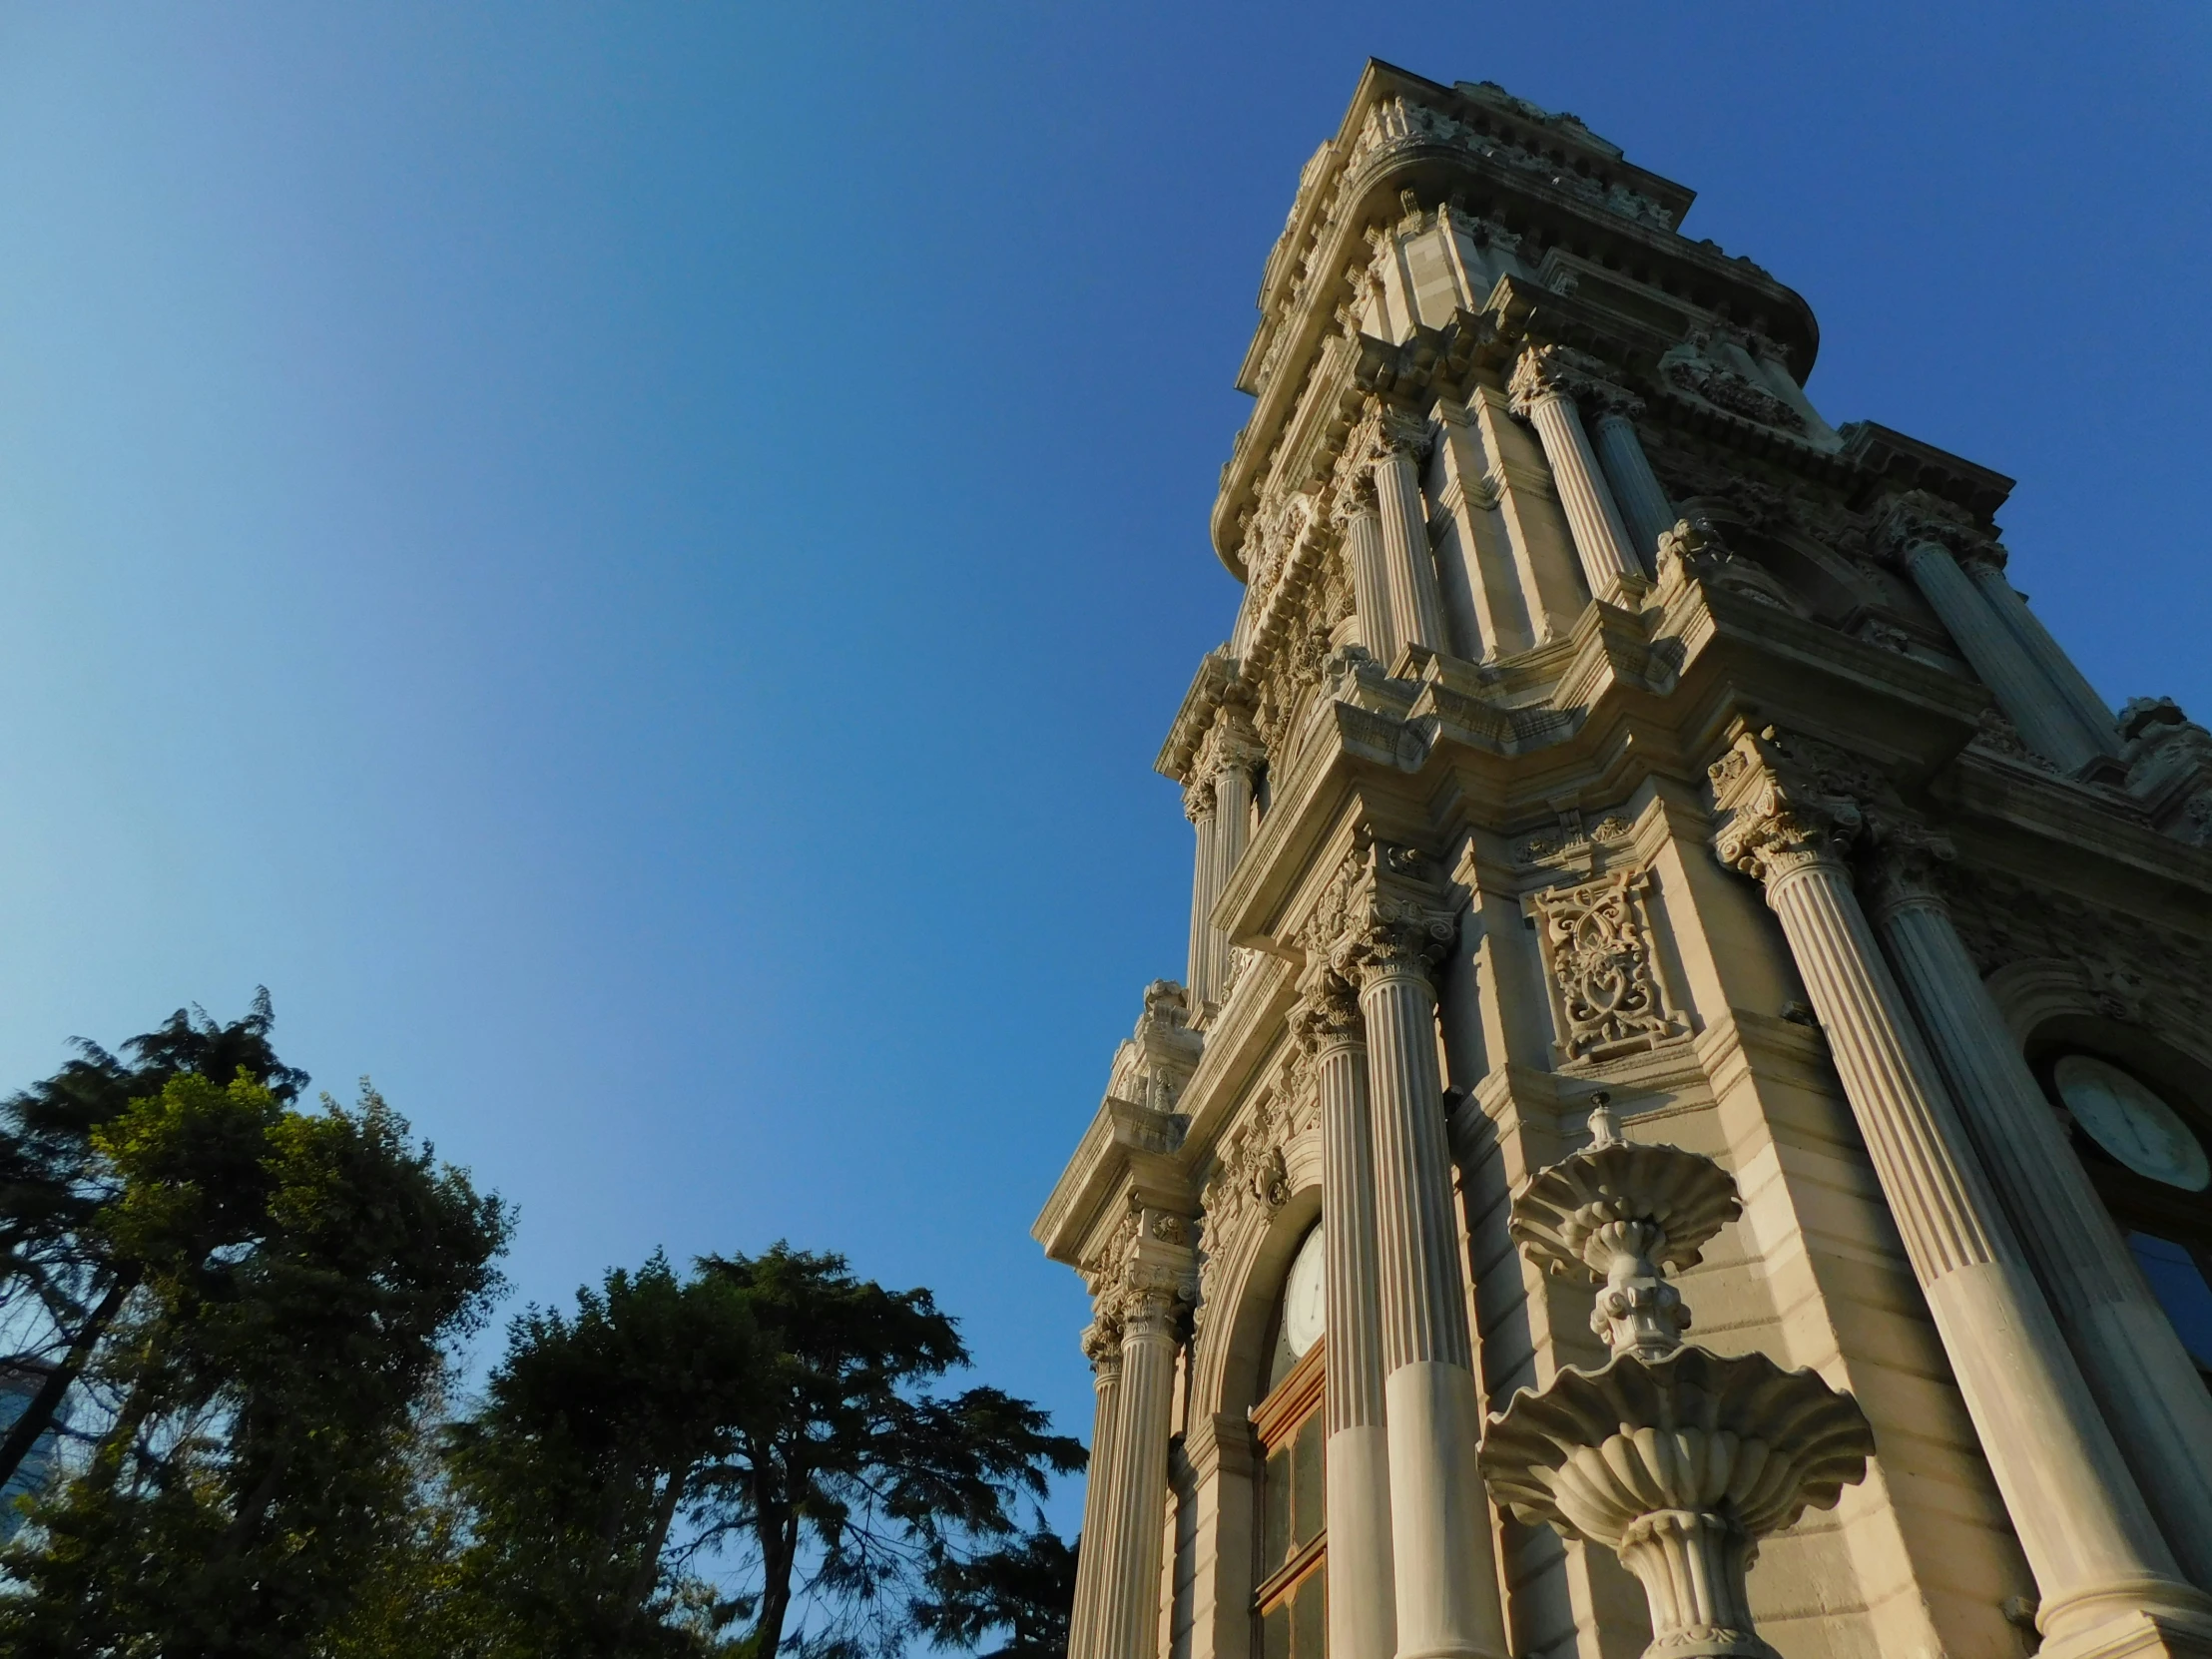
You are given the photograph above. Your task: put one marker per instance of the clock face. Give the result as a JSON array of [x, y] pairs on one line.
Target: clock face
[[1305, 1298], [2125, 1117]]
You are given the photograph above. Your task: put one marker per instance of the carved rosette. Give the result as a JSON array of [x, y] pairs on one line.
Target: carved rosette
[[1605, 990]]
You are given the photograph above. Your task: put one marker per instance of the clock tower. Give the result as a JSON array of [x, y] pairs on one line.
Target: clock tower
[[1684, 1125]]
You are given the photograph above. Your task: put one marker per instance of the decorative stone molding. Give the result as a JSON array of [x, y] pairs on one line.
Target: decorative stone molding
[[2169, 766], [1607, 994], [1998, 736], [2132, 971], [1695, 550], [1571, 837], [1724, 390]]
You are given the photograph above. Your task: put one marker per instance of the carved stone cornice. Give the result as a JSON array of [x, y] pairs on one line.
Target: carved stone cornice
[[1696, 550], [1386, 911]]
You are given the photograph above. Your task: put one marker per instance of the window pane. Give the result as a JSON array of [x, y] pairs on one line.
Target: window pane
[[2178, 1283], [1274, 1632], [1310, 1618], [1306, 1503], [1275, 1544]]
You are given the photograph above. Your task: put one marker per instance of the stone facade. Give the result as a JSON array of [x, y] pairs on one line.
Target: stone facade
[[1601, 728]]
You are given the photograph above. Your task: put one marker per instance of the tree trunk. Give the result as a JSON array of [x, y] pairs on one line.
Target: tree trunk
[[649, 1565], [38, 1416], [779, 1530]]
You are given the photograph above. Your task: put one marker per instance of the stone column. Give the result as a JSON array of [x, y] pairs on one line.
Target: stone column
[[1985, 565], [1102, 1345], [1416, 606], [2135, 1366], [1200, 807], [1129, 1603], [1442, 1561], [1543, 389], [1925, 548], [1620, 452], [2105, 1574], [1363, 1622], [1371, 584]]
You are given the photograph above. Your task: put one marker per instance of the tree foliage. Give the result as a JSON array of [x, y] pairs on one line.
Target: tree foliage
[[753, 1457]]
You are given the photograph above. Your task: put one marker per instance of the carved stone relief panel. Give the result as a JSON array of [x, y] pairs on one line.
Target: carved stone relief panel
[[1607, 997]]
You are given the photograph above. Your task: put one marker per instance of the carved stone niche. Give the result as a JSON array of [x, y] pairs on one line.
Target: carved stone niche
[[1607, 994]]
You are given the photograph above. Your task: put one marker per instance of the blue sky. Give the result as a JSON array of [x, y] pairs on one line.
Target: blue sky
[[630, 563]]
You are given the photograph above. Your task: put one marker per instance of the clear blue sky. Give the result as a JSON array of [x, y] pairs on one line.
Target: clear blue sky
[[631, 562]]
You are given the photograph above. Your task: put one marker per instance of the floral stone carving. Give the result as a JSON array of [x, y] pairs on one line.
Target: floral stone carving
[[1597, 944], [1677, 1459]]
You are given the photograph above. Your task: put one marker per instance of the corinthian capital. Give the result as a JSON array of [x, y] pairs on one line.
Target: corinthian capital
[[1787, 803], [1198, 796], [1232, 741], [1328, 1012], [1558, 371], [1906, 862], [1917, 517], [1385, 910]]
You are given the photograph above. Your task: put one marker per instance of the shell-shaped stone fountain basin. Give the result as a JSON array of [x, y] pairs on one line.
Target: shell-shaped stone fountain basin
[[1687, 1196], [1735, 1436]]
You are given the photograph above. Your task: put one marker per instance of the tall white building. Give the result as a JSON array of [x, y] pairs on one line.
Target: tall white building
[[1602, 727]]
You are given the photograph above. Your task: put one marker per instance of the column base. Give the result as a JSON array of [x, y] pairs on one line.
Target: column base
[[2130, 1621]]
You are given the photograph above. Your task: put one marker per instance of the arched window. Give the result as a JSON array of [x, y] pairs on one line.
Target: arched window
[[1290, 1600], [2146, 1155]]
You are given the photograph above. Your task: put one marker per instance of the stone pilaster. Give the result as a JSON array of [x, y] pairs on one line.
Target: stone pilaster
[[1396, 922], [1200, 807], [1789, 813], [1102, 1346], [1361, 1588], [1543, 390], [1416, 607], [1926, 546], [1370, 582], [2135, 1366], [1636, 490]]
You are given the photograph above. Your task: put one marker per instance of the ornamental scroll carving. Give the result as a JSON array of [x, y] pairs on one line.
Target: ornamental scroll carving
[[1605, 987]]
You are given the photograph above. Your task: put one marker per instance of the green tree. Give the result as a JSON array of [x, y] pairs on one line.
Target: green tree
[[632, 1499], [1025, 1589], [296, 1279], [63, 1283]]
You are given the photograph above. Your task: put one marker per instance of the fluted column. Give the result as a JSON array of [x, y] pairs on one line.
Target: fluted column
[[2099, 1561], [1446, 1577], [1620, 452], [1923, 547], [2135, 1366], [1199, 807], [1416, 605], [1986, 569], [1363, 1621], [1542, 392], [1102, 1345], [1371, 583], [1129, 1602]]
